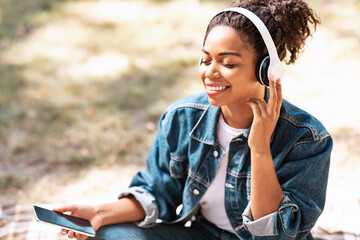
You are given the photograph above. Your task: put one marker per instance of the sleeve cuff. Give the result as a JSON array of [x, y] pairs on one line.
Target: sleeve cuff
[[265, 226], [148, 203]]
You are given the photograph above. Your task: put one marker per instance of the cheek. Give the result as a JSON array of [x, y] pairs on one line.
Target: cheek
[[243, 81], [202, 72], [251, 72], [247, 74], [234, 76]]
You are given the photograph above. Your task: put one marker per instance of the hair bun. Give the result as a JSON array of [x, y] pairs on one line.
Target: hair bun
[[289, 22]]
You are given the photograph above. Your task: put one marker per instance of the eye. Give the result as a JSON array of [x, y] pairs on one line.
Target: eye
[[206, 62], [230, 65]]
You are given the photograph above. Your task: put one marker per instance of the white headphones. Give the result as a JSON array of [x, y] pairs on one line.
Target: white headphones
[[269, 65]]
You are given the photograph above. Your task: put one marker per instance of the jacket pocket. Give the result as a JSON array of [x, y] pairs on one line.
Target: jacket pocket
[[179, 166]]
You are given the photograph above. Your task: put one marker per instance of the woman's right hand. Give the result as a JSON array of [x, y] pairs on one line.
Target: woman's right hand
[[87, 212], [126, 209]]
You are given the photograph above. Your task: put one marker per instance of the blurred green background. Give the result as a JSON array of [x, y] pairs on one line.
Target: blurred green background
[[83, 83]]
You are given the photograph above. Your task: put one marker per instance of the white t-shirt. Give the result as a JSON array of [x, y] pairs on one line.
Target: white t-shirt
[[212, 203]]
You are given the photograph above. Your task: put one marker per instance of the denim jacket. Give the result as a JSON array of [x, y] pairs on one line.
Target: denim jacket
[[185, 156]]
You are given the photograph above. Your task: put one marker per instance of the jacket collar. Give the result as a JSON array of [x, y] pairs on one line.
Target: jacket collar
[[205, 129]]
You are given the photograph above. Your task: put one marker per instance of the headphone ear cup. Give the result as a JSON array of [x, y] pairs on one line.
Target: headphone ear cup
[[261, 71]]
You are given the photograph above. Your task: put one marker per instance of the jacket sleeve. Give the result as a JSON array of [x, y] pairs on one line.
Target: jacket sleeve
[[155, 189], [303, 176]]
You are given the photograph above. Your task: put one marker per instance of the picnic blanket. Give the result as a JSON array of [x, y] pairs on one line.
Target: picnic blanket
[[17, 223]]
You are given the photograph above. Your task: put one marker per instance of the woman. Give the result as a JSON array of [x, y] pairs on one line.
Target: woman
[[238, 161]]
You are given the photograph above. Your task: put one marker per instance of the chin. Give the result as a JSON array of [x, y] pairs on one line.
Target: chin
[[214, 102]]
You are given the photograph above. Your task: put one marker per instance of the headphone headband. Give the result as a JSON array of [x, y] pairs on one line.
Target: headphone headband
[[275, 67]]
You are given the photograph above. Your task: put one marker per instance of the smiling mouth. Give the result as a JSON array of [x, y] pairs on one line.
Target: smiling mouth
[[219, 88], [213, 91], [216, 88]]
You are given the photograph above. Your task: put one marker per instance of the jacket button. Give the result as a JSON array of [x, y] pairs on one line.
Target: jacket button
[[196, 192], [216, 153]]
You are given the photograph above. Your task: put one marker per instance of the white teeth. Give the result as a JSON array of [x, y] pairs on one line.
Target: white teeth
[[219, 88]]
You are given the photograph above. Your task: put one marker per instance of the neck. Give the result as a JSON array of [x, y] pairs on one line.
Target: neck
[[240, 118], [239, 115]]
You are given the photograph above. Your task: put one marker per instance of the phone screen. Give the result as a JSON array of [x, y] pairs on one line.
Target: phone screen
[[76, 224]]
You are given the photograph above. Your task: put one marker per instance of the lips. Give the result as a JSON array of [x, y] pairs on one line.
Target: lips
[[214, 90]]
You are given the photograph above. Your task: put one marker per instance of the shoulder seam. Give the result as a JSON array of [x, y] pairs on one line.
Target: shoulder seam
[[188, 105], [316, 135], [314, 140]]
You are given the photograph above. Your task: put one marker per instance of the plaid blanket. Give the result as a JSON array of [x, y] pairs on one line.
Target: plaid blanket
[[17, 223]]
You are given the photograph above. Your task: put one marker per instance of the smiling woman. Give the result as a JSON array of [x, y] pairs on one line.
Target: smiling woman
[[239, 159]]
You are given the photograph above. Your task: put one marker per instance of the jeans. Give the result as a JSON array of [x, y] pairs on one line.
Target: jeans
[[199, 230]]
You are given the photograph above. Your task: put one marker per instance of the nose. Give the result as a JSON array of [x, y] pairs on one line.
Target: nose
[[212, 71]]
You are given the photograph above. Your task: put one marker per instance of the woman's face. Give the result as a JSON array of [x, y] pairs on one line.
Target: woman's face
[[228, 69]]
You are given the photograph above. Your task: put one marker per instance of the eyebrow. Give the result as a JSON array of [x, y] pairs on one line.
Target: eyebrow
[[224, 53]]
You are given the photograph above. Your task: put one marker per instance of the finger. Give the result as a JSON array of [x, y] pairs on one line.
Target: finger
[[255, 106], [279, 95], [79, 236], [64, 232], [71, 234], [262, 106], [273, 94], [70, 208]]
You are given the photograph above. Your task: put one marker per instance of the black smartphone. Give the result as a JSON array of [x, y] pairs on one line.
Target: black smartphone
[[75, 224]]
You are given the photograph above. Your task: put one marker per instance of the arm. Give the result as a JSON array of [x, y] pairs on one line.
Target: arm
[[285, 203], [303, 175], [124, 210], [266, 192]]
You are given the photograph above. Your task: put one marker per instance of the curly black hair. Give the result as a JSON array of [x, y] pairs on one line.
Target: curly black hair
[[289, 22]]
